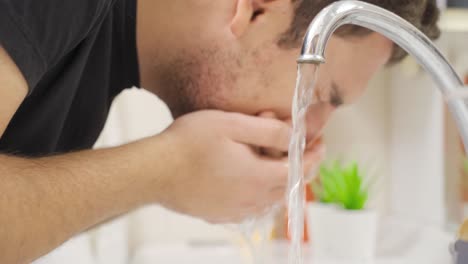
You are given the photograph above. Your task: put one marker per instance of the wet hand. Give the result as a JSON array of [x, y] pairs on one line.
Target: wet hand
[[217, 175]]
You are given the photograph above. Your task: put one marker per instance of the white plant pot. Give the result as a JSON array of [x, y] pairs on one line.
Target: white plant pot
[[341, 234]]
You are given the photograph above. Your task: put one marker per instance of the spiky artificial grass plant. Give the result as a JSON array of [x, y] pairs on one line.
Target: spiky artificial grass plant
[[341, 185]]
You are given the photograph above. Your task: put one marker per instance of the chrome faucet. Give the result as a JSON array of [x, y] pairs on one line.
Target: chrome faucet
[[399, 31], [407, 37]]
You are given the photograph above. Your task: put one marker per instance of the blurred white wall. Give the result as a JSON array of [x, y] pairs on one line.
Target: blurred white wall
[[361, 133]]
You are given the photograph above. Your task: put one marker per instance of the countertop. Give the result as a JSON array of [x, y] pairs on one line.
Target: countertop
[[400, 243]]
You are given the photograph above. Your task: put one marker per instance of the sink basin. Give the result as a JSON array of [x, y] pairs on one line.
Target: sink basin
[[399, 243]]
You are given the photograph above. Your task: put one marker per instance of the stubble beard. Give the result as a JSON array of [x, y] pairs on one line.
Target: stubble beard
[[198, 81]]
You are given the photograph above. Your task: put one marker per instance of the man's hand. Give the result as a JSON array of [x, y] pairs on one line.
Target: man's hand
[[219, 176]]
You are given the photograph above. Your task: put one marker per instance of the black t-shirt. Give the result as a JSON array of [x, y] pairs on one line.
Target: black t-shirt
[[76, 57]]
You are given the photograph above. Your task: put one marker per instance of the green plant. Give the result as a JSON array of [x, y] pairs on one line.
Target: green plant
[[341, 185]]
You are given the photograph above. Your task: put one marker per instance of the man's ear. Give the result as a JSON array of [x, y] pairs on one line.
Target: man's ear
[[246, 12]]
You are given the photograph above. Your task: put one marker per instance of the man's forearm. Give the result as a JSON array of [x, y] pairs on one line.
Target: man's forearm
[[45, 201]]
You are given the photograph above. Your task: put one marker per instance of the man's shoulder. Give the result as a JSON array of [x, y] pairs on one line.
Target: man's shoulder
[[37, 34]]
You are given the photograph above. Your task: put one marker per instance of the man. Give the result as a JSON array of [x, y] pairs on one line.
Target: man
[[224, 68]]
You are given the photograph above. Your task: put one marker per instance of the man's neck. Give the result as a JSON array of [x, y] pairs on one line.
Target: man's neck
[[152, 45]]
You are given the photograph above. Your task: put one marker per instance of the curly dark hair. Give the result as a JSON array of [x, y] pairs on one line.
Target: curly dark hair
[[424, 14]]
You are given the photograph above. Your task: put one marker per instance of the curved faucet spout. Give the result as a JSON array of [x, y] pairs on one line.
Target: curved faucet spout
[[399, 31]]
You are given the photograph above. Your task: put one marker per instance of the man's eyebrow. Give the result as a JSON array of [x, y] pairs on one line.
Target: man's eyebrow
[[336, 97]]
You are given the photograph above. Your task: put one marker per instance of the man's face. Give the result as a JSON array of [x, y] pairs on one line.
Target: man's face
[[251, 74], [264, 80]]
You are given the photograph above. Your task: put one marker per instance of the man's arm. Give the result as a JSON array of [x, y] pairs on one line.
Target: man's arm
[[43, 202], [202, 165]]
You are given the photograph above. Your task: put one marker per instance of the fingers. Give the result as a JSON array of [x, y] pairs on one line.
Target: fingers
[[272, 199], [277, 194], [273, 153], [275, 172], [273, 177], [272, 182], [312, 160], [260, 132]]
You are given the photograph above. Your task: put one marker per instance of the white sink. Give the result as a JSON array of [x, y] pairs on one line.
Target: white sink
[[400, 243]]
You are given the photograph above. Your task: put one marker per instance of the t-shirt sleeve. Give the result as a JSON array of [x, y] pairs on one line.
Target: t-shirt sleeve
[[38, 33]]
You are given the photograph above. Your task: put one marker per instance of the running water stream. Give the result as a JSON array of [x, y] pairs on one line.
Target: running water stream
[[303, 98]]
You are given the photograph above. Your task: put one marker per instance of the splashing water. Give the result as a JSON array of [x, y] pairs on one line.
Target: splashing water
[[255, 232], [303, 98], [247, 230]]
